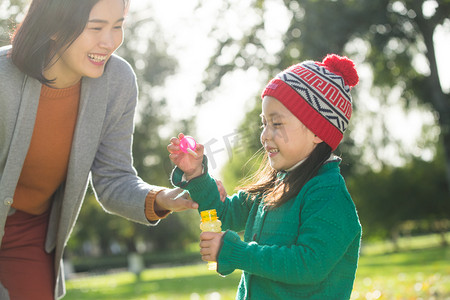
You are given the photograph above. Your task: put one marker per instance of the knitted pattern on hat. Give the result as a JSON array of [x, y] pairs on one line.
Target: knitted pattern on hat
[[318, 94]]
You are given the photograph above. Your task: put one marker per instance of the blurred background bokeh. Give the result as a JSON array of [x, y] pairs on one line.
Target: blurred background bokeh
[[201, 66]]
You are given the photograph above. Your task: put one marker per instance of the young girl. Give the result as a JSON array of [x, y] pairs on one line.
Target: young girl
[[302, 233], [66, 114]]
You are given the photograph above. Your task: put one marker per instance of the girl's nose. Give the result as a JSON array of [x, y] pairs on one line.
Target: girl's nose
[[264, 135]]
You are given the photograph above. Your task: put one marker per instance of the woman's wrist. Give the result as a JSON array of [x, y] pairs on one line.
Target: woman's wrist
[[159, 196], [153, 211]]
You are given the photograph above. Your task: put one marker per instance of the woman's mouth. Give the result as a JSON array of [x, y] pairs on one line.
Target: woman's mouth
[[97, 59]]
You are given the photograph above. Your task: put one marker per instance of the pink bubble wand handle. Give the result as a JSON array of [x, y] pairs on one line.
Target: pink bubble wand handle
[[188, 145]]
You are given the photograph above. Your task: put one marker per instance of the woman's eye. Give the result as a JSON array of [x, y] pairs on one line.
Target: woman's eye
[[277, 124]]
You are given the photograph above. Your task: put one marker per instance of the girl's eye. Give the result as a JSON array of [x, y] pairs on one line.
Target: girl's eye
[[96, 28], [277, 124]]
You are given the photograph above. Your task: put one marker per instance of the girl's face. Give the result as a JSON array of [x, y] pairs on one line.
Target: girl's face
[[88, 54], [286, 140]]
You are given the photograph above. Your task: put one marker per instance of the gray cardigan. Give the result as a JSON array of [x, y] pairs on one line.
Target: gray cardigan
[[101, 150]]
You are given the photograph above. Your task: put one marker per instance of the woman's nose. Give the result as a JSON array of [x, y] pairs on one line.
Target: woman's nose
[[107, 40]]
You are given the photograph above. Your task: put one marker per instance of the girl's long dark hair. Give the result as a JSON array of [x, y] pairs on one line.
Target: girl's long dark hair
[[275, 192], [49, 27]]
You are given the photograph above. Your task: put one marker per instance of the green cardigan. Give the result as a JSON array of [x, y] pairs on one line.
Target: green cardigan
[[306, 249]]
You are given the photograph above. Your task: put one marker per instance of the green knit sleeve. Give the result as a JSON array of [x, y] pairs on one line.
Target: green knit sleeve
[[329, 231], [233, 213]]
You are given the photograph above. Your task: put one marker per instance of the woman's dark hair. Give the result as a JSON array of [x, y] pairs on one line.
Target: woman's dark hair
[[49, 27], [276, 192]]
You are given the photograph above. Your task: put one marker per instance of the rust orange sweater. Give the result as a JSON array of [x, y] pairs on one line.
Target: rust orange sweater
[[47, 160]]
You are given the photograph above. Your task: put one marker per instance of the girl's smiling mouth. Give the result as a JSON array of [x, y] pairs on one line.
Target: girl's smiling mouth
[[272, 151]]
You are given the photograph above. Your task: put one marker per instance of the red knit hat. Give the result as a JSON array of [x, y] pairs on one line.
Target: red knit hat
[[318, 94]]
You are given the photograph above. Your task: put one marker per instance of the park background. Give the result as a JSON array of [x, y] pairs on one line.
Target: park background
[[201, 66]]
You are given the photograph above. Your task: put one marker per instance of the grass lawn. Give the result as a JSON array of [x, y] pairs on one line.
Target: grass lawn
[[415, 274], [187, 282], [420, 273]]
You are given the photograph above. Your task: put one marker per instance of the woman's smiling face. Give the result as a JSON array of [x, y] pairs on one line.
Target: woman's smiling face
[[286, 140], [88, 54]]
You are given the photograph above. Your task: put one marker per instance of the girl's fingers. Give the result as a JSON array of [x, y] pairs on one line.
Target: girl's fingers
[[206, 258], [173, 158], [200, 149], [204, 251], [173, 149], [206, 236], [174, 141], [204, 244]]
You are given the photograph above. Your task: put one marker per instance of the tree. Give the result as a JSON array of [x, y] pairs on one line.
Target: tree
[[389, 35], [11, 12], [414, 194]]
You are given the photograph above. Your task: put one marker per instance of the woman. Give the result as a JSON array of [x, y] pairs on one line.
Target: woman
[[66, 115]]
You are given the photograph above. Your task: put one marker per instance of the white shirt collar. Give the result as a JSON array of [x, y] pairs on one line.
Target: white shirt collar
[[331, 158]]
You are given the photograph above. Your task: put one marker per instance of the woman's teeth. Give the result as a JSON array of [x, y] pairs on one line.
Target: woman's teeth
[[97, 58]]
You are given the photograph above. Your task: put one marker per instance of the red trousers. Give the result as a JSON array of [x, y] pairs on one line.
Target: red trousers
[[26, 270]]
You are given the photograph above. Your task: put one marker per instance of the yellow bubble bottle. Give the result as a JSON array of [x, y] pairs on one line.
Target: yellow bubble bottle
[[210, 223]]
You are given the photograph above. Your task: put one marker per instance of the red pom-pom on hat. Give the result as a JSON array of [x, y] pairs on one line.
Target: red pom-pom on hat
[[343, 66]]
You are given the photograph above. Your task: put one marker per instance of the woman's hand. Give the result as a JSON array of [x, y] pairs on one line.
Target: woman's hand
[[189, 163], [175, 200], [210, 243], [222, 191]]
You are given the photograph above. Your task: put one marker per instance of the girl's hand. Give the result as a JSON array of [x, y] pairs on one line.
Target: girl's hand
[[210, 245], [190, 164]]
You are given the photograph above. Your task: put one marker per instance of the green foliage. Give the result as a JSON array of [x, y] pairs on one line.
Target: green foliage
[[10, 13], [389, 36], [99, 230], [246, 156], [110, 262], [388, 198]]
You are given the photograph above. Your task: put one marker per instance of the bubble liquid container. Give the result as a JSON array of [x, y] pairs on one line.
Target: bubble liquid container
[[210, 223]]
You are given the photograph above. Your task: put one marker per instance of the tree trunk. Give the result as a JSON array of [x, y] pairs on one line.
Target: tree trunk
[[439, 100]]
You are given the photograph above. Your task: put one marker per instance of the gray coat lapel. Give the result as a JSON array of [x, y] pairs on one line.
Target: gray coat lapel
[[22, 133]]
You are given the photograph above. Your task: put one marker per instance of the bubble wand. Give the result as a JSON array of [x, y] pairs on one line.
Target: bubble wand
[[188, 145]]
